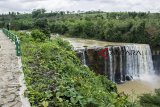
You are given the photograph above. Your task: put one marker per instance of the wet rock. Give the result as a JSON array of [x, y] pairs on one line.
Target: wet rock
[[129, 78]]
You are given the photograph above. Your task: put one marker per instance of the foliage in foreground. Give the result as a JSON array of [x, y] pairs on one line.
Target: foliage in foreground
[[56, 78], [149, 100]]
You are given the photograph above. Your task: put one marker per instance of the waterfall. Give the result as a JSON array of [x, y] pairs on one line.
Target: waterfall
[[134, 62], [121, 66], [84, 58], [115, 63], [125, 62], [82, 55], [111, 74]]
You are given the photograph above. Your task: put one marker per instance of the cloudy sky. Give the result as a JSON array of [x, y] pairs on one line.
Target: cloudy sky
[[84, 5]]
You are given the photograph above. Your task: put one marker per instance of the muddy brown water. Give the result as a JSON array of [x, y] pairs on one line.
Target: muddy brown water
[[146, 84], [79, 43]]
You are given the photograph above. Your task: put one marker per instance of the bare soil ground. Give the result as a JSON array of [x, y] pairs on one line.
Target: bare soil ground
[[9, 74]]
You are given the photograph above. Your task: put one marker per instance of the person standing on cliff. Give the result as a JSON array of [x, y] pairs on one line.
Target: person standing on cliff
[[8, 26]]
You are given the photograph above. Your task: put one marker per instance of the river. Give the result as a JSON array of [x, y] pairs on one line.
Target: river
[[79, 43]]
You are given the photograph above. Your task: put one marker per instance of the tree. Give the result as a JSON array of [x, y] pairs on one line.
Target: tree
[[37, 12], [43, 26]]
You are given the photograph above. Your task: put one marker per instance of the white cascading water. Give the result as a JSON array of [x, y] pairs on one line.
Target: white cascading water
[[111, 73], [136, 59], [140, 63], [83, 57], [121, 66]]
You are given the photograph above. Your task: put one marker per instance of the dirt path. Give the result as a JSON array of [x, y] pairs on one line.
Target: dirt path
[[9, 74]]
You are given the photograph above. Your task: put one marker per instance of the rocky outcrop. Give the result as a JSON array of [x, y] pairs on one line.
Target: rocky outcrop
[[156, 59]]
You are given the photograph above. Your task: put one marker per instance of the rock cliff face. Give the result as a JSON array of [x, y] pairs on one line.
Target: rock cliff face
[[156, 59]]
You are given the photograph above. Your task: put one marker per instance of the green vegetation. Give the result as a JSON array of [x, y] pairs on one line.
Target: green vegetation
[[42, 24], [114, 26], [56, 78], [149, 100], [38, 35]]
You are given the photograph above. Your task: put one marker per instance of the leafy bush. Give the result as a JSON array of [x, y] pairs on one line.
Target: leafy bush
[[38, 35], [55, 77], [43, 26], [59, 27], [149, 100], [63, 44]]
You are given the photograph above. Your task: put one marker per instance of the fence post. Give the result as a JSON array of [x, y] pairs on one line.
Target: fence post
[[15, 39], [18, 50], [12, 37], [9, 35]]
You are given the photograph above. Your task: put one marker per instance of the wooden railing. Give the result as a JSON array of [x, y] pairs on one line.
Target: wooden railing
[[14, 39]]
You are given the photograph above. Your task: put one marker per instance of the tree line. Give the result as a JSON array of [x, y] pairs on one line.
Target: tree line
[[135, 27]]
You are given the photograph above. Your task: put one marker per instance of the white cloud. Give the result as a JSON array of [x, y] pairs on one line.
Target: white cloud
[[74, 5]]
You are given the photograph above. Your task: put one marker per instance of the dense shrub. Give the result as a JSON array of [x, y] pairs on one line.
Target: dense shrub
[[59, 27], [38, 35], [149, 100]]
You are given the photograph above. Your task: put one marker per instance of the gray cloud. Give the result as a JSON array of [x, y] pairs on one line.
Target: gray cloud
[[33, 1], [84, 5]]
